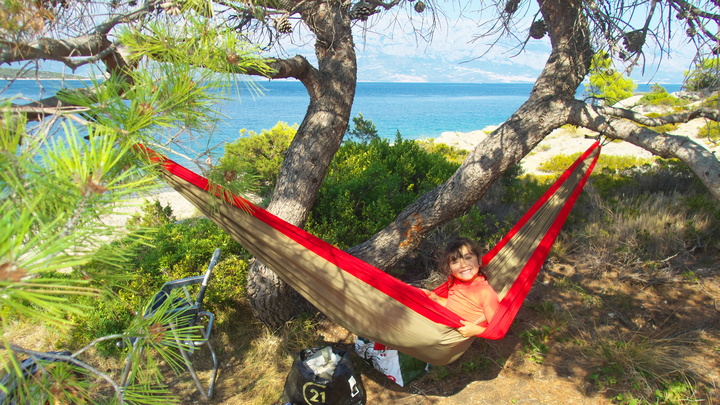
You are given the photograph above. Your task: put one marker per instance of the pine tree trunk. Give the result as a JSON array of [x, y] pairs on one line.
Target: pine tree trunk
[[332, 89]]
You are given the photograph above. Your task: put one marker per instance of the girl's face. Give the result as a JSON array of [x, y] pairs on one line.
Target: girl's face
[[466, 267]]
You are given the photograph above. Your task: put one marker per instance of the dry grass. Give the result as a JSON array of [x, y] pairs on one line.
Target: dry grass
[[258, 359], [645, 236], [641, 361]]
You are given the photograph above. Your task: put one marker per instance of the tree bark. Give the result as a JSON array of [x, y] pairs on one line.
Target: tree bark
[[331, 87]]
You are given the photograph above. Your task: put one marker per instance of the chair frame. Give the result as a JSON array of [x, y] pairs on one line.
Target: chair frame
[[194, 310]]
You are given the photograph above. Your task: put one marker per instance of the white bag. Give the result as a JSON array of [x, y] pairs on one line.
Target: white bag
[[398, 367]]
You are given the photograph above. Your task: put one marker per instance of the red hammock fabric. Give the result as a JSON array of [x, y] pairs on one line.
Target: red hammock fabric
[[401, 316]]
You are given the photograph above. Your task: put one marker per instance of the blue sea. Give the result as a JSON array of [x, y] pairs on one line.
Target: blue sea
[[416, 110]]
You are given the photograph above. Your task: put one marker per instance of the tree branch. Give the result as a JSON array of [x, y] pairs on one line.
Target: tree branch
[[91, 45], [53, 49], [682, 117], [699, 159], [296, 67]]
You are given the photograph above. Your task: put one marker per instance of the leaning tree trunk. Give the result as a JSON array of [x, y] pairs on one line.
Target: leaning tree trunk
[[547, 108], [551, 105], [332, 89]]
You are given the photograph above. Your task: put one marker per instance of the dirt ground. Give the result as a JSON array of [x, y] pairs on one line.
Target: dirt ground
[[574, 309], [677, 309]]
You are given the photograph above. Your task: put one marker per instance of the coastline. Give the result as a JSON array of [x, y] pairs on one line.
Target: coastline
[[561, 141], [568, 141]]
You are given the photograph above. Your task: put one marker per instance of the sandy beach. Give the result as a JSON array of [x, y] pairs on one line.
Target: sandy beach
[[561, 141]]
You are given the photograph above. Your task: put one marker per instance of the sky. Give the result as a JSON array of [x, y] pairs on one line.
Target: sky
[[388, 51]]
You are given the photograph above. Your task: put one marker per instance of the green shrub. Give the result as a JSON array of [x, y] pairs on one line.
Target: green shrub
[[183, 249], [711, 131], [362, 130], [367, 186], [659, 96], [606, 83], [103, 317], [254, 160], [451, 153], [632, 175], [525, 191], [172, 250]]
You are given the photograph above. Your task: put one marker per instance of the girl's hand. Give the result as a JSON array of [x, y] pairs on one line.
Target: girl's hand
[[431, 294], [470, 329], [440, 300]]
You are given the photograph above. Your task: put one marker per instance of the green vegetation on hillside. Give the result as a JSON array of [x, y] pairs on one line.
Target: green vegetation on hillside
[[11, 73]]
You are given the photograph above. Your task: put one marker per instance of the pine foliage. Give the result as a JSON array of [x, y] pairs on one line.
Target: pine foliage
[[606, 83], [60, 179]]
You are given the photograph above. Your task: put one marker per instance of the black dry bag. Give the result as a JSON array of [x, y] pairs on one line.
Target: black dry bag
[[323, 376]]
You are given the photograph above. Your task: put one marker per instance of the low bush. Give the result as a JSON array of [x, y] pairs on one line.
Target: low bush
[[368, 185], [632, 175], [659, 96], [172, 250], [560, 163], [450, 153], [253, 161], [710, 131]]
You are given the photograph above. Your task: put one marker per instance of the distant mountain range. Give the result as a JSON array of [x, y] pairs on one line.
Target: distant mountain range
[[11, 73]]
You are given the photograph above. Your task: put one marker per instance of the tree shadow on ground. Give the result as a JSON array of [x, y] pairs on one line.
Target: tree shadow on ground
[[544, 353]]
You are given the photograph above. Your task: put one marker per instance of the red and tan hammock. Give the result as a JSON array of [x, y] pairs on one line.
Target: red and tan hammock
[[369, 302]]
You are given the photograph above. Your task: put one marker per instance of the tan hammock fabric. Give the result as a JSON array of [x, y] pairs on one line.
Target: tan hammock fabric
[[364, 299]]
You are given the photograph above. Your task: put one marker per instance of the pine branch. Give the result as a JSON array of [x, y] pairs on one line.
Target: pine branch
[[72, 360]]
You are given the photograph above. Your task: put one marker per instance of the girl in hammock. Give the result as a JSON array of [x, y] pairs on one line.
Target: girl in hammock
[[469, 294]]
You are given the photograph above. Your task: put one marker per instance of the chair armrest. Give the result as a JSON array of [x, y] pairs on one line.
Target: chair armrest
[[184, 282]]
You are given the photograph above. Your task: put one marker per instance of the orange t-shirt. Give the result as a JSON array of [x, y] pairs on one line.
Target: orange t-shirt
[[473, 299]]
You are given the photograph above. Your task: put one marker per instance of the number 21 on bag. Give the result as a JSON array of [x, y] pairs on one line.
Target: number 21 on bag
[[314, 394]]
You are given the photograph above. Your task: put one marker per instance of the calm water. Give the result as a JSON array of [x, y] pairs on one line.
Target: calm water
[[417, 110]]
